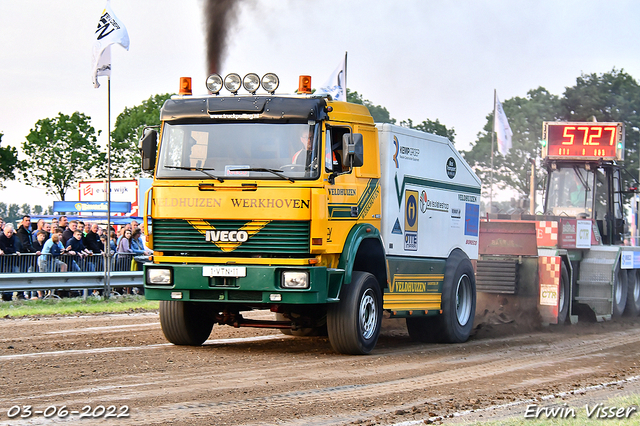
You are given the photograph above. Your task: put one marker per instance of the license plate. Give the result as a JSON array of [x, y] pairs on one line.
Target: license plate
[[224, 271]]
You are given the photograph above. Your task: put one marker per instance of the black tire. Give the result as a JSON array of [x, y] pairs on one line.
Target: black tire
[[353, 323], [423, 329], [633, 293], [619, 291], [564, 298], [458, 299], [185, 323]]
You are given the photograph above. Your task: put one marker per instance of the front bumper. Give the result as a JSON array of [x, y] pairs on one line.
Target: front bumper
[[262, 285]]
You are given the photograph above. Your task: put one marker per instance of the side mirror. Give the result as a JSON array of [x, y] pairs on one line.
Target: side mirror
[[148, 147], [352, 149]]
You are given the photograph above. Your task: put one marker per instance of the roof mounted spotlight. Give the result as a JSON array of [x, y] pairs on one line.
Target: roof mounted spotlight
[[233, 82], [270, 82], [251, 83], [214, 83]]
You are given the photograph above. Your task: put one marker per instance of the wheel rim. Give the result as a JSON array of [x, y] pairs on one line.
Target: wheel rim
[[463, 300], [368, 314], [636, 288]]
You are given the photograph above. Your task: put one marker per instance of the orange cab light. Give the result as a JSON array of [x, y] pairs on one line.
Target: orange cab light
[[304, 84], [316, 241], [185, 86], [314, 261]]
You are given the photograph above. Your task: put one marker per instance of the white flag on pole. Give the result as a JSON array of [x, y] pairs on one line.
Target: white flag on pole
[[336, 85], [110, 31], [104, 63], [503, 130]]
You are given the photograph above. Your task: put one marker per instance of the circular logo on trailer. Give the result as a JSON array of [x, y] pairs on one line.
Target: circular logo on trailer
[[412, 210], [423, 201], [451, 168]]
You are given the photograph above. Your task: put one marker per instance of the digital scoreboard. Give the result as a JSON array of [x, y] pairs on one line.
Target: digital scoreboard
[[582, 140]]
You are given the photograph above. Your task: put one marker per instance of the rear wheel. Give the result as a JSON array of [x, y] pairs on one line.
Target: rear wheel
[[563, 299], [619, 291], [633, 293], [458, 299], [185, 323], [353, 324]]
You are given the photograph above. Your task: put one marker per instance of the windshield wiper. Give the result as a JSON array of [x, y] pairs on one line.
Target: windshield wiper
[[273, 171], [197, 169]]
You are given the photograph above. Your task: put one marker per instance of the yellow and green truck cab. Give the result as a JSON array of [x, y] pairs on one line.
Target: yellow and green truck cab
[[278, 202]]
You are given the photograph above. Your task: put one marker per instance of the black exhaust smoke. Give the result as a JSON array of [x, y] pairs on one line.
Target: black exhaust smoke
[[219, 16]]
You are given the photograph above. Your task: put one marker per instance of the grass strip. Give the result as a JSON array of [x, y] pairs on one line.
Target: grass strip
[[76, 305]]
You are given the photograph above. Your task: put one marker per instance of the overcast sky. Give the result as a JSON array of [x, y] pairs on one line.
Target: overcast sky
[[418, 58]]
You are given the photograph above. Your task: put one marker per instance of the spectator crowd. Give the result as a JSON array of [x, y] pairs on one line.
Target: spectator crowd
[[62, 245]]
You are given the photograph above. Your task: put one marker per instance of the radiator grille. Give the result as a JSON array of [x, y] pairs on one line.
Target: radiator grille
[[177, 236]]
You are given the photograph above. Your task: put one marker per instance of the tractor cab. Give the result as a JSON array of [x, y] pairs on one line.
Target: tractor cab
[[587, 190]]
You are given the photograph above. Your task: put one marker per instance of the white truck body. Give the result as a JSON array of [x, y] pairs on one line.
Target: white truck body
[[430, 195]]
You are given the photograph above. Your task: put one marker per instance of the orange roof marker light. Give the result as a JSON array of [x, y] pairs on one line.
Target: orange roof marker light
[[185, 86], [304, 84]]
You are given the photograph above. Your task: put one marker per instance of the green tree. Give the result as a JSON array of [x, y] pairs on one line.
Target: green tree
[[37, 209], [378, 112], [612, 96], [430, 126], [25, 210], [125, 156], [61, 151], [525, 117], [13, 213], [8, 162]]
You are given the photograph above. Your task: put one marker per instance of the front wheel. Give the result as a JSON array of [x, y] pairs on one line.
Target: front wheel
[[353, 324], [185, 323]]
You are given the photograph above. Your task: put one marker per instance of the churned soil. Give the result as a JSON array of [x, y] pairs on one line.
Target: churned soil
[[262, 377]]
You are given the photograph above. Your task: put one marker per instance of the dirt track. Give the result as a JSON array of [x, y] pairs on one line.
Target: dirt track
[[274, 379]]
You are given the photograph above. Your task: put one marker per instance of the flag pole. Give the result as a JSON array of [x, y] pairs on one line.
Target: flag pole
[[107, 263], [493, 134]]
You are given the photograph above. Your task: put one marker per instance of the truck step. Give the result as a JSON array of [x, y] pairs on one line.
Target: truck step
[[594, 282], [593, 299], [609, 258]]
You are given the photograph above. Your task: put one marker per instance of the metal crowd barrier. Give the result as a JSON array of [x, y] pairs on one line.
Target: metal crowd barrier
[[29, 272], [32, 263]]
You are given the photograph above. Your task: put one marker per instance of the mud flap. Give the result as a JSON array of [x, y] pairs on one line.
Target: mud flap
[[549, 270]]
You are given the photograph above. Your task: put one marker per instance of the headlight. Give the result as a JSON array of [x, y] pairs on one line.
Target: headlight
[[232, 82], [214, 83], [295, 279], [251, 83], [270, 82], [159, 276]]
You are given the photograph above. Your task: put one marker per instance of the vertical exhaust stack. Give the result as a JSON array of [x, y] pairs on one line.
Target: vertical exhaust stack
[[219, 16]]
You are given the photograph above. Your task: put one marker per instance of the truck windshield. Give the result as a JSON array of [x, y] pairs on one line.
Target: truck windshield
[[239, 150]]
